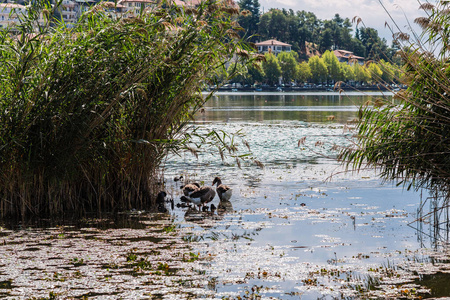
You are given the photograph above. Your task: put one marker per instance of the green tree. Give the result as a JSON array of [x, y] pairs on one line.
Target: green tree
[[347, 72], [278, 25], [318, 69], [375, 72], [333, 67], [303, 72], [325, 40], [375, 47], [308, 29], [288, 66], [249, 17], [390, 74], [256, 73], [240, 71], [361, 73], [272, 69]]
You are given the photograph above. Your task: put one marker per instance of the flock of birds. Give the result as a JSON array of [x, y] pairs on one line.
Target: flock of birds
[[201, 196]]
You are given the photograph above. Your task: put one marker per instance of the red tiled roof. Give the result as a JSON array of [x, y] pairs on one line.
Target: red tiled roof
[[110, 4], [12, 5], [194, 3], [187, 2], [272, 42], [346, 54], [141, 1], [311, 49]]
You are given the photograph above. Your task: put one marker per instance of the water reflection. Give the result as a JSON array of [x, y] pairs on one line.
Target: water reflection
[[307, 107]]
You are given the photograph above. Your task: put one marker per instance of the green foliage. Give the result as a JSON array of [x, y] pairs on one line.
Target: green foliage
[[346, 71], [272, 68], [333, 65], [288, 66], [88, 115], [318, 69], [361, 73], [256, 73], [409, 142], [249, 17], [303, 72], [297, 28], [375, 72], [241, 72], [375, 47]]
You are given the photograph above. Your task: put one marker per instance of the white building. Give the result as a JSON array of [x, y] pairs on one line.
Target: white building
[[134, 7], [68, 12], [82, 6], [273, 46], [9, 14]]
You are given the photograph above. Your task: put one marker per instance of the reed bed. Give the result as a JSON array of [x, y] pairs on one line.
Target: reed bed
[[88, 114], [409, 142]]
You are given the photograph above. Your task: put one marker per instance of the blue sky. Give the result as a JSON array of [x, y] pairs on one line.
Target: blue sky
[[370, 11]]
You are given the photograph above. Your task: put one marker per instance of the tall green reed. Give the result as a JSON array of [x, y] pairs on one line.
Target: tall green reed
[[88, 114], [409, 142]]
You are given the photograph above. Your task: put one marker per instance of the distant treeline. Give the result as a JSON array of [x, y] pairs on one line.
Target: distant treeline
[[301, 27], [324, 69]]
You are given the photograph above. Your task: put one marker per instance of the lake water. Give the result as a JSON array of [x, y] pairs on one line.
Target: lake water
[[301, 227], [274, 245]]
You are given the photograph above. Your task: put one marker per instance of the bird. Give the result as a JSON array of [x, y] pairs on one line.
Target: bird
[[223, 191], [189, 188], [200, 197], [160, 201], [183, 205], [176, 178]]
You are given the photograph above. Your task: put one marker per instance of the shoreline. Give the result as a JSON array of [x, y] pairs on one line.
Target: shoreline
[[369, 88]]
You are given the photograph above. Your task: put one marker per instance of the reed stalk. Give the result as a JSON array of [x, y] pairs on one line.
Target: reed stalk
[[87, 115], [409, 142]]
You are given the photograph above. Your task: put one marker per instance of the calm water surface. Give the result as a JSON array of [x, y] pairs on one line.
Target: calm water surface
[[302, 219], [301, 227]]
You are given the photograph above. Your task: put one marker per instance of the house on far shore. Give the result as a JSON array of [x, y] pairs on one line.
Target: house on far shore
[[273, 46], [187, 3], [134, 7], [196, 3], [10, 14], [348, 57]]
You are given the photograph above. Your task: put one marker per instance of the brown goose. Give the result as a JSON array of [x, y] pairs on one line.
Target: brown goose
[[223, 191], [201, 196], [189, 188]]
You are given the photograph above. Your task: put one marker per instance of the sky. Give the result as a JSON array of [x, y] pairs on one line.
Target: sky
[[370, 11]]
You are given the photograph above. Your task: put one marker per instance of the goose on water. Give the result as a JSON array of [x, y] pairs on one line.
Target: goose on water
[[200, 197], [223, 190], [189, 188]]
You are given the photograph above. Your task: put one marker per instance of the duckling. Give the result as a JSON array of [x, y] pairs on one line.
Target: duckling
[[183, 205], [223, 191], [160, 201]]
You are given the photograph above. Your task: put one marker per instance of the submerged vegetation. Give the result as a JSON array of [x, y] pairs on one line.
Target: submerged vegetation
[[87, 115]]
